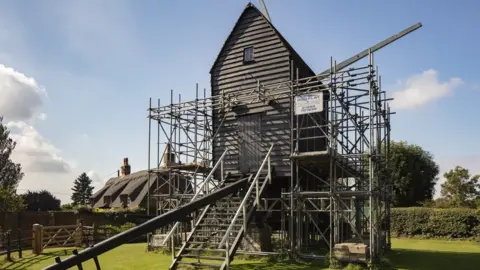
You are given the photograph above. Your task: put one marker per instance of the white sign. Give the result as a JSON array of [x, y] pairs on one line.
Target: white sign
[[309, 103]]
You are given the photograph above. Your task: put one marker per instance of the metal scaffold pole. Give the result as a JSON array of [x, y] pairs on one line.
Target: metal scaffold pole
[[149, 156]]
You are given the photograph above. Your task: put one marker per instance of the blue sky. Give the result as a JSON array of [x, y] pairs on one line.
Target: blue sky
[[87, 69]]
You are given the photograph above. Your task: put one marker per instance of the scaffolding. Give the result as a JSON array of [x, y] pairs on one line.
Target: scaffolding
[[185, 132], [352, 184], [339, 193]]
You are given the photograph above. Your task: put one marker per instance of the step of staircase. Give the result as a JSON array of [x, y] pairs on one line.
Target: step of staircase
[[201, 265]]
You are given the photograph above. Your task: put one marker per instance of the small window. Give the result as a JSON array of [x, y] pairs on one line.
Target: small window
[[248, 55], [106, 200], [125, 199]]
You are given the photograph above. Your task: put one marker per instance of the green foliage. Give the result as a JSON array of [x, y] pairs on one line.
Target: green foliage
[[82, 208], [332, 263], [381, 263], [10, 201], [353, 266], [477, 202], [119, 229], [115, 215], [435, 223], [460, 188], [41, 201], [115, 212], [68, 207], [82, 190], [414, 174], [137, 210], [10, 172]]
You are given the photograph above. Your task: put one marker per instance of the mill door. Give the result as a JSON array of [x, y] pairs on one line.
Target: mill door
[[249, 139]]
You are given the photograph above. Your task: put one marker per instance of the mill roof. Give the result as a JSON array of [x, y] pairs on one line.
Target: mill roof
[[289, 47]]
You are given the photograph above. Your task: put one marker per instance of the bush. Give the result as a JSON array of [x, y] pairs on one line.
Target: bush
[[435, 222], [119, 229], [332, 262], [116, 216]]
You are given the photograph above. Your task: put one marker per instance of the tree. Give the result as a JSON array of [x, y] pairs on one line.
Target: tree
[[67, 207], [41, 201], [82, 190], [460, 189], [10, 201], [415, 174], [10, 172]]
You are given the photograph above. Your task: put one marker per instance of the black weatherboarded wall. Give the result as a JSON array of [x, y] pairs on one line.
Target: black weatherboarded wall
[[248, 133]]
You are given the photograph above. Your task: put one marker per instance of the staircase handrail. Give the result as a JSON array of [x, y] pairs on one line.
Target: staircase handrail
[[220, 160], [255, 183]]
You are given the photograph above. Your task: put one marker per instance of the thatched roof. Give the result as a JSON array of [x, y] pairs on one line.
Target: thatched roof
[[134, 186]]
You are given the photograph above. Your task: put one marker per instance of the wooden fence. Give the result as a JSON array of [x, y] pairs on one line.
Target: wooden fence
[[56, 236], [42, 237], [14, 241]]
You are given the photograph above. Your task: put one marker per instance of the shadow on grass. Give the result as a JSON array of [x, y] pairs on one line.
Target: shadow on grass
[[30, 260], [431, 260]]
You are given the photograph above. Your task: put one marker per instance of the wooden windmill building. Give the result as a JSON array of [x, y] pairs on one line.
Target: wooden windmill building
[[314, 147]]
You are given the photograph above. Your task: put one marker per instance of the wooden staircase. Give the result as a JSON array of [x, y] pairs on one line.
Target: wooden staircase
[[203, 247], [221, 226]]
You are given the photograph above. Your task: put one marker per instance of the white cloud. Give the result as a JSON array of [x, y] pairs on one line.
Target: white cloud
[[447, 163], [34, 152], [96, 179], [421, 89], [21, 98], [41, 116], [21, 95], [41, 161]]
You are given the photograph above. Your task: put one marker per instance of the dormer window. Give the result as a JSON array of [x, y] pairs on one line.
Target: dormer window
[[125, 199], [106, 200], [248, 55]]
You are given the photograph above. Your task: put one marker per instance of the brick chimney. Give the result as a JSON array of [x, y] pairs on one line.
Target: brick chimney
[[125, 169], [168, 157]]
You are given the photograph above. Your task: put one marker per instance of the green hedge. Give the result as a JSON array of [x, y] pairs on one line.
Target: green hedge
[[435, 222]]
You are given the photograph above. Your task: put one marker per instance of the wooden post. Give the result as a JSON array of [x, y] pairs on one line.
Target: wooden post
[[20, 242], [227, 255], [37, 241], [173, 247], [79, 233], [19, 235], [94, 233], [9, 246], [244, 208], [2, 236], [269, 171]]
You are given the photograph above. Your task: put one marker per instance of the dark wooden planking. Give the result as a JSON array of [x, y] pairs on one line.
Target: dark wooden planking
[[273, 58]]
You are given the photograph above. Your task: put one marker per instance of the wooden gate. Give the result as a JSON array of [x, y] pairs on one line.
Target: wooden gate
[[249, 143], [56, 236], [62, 236]]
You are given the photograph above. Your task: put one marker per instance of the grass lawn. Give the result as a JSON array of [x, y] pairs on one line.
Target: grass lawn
[[415, 254], [407, 254], [130, 256]]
